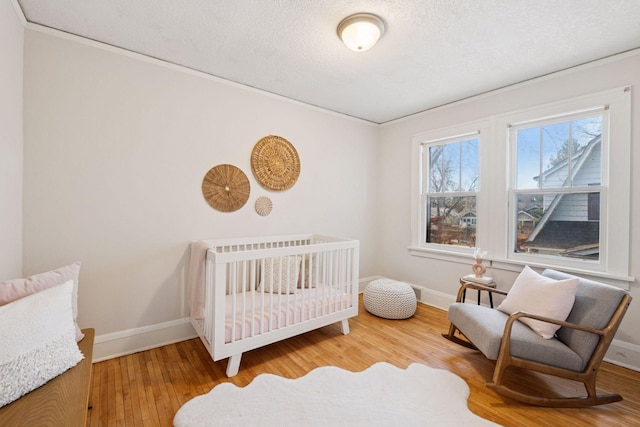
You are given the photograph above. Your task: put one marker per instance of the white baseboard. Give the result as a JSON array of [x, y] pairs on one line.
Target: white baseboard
[[436, 299], [624, 354], [122, 343]]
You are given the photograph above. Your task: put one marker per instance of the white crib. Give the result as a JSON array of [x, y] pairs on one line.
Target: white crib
[[261, 290]]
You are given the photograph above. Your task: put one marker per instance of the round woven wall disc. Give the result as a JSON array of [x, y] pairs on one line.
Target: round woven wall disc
[[263, 206], [226, 188], [275, 163]]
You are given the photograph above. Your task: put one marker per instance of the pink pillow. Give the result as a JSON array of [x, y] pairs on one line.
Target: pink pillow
[[12, 290]]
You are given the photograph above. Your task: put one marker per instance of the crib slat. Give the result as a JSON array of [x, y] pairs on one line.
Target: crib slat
[[320, 307], [262, 322], [232, 292], [252, 287], [279, 319], [341, 280], [312, 281], [243, 310]]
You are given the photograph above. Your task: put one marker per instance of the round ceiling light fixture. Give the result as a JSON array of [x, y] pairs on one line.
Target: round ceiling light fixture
[[361, 31]]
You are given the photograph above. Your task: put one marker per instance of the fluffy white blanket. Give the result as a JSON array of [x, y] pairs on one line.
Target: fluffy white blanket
[[382, 395]]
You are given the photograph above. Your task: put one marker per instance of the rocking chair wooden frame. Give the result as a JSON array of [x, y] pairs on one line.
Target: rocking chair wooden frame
[[505, 359]]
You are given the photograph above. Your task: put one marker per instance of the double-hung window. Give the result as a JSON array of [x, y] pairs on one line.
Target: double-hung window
[[568, 184], [557, 187], [451, 177], [448, 163]]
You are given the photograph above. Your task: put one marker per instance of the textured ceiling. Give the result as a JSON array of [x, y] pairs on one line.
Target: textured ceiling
[[433, 52]]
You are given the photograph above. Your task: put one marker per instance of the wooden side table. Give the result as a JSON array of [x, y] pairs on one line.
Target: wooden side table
[[488, 285]]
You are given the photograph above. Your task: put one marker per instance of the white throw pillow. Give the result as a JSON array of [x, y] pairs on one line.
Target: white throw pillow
[[280, 275], [37, 337], [536, 294], [12, 290]]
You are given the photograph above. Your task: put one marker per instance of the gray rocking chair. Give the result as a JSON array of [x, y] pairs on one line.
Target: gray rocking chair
[[575, 353]]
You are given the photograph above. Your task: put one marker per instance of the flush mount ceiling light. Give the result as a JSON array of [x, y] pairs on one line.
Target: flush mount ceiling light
[[361, 31]]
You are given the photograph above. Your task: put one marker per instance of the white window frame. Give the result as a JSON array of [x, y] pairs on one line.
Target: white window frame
[[601, 188], [615, 188], [493, 199], [419, 247]]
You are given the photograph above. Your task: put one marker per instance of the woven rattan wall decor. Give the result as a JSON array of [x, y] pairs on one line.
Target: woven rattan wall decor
[[226, 188], [275, 163], [264, 206]]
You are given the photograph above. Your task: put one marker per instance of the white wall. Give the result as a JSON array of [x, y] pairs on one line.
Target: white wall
[[441, 277], [11, 48], [116, 147]]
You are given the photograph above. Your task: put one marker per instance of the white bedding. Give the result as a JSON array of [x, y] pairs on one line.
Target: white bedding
[[264, 312]]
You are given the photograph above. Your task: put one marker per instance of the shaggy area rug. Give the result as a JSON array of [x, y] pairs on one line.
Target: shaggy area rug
[[381, 395]]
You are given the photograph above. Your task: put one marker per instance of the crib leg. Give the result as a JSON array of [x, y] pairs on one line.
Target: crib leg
[[345, 326], [233, 365]]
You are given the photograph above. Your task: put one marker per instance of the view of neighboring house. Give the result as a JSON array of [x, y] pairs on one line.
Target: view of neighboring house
[[452, 227], [570, 223], [527, 221], [468, 218]]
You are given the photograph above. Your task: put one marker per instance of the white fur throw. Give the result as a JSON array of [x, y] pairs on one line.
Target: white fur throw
[[38, 341], [382, 395]]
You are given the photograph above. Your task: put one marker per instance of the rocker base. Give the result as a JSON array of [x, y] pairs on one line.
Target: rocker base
[[459, 341], [554, 402]]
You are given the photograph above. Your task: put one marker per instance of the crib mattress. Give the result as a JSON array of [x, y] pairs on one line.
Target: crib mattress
[[253, 312]]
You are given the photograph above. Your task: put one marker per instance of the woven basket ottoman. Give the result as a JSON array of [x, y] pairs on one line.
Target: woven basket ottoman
[[390, 299]]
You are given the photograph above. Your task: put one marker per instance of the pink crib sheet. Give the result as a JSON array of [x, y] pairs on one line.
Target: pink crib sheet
[[256, 312]]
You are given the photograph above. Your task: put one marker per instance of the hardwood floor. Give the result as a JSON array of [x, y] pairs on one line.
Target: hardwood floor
[[147, 388]]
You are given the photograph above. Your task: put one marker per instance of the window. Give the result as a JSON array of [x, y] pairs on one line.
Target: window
[[568, 185], [558, 185], [548, 186], [448, 161], [451, 172]]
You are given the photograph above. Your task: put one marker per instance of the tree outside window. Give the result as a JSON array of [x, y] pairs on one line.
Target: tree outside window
[[451, 177]]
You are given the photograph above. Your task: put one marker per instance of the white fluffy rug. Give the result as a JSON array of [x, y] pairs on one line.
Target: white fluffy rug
[[382, 395]]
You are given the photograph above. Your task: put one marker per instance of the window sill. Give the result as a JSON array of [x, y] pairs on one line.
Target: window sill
[[442, 255], [515, 266]]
